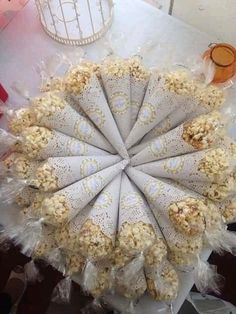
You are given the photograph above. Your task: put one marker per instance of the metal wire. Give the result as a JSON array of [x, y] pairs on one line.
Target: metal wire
[[67, 23]]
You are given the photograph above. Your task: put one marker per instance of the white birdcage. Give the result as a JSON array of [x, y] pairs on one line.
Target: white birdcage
[[75, 22]]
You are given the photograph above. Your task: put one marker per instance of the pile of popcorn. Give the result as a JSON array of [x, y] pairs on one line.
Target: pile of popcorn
[[134, 258]]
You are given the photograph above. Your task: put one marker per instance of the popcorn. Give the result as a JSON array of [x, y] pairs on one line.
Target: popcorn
[[187, 216], [116, 67], [67, 237], [53, 84], [228, 211], [93, 242], [47, 105], [77, 79], [20, 165], [179, 82], [210, 97], [222, 190], [116, 81], [184, 253], [102, 282], [163, 283], [203, 131], [46, 179], [213, 218], [45, 245], [74, 263], [136, 237], [137, 70], [34, 139], [155, 254], [216, 164], [97, 278], [25, 197], [24, 118], [134, 289], [93, 67], [118, 258], [55, 209]]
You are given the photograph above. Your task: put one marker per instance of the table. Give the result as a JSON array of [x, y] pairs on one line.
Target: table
[[23, 44]]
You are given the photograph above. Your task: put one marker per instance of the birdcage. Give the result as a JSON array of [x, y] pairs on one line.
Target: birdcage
[[75, 22]]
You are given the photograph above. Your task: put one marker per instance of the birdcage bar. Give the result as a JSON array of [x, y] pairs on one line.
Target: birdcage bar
[[75, 22], [52, 17], [101, 10]]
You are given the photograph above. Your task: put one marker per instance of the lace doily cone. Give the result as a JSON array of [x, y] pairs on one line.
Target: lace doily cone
[[59, 145], [167, 145], [67, 170], [157, 104], [139, 77], [175, 118], [68, 121], [160, 193], [104, 212], [92, 232], [179, 167], [94, 104], [133, 206], [79, 194], [117, 88], [138, 89], [215, 191]]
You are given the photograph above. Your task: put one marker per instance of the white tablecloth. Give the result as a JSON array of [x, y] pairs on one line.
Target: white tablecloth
[[23, 44]]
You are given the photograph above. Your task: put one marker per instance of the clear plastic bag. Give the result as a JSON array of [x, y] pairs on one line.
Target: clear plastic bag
[[62, 292]]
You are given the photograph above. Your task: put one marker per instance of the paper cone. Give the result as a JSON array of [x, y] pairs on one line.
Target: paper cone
[[104, 212], [138, 89], [70, 122], [178, 168], [133, 206], [61, 145], [158, 103], [68, 170], [95, 223], [175, 118], [117, 88], [159, 193], [94, 103], [79, 194], [183, 249], [214, 191], [139, 77], [166, 145]]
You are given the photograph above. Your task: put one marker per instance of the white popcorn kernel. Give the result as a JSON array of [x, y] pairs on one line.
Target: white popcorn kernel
[[34, 139], [24, 118], [203, 131], [164, 285], [136, 237], [155, 254], [46, 179], [93, 242], [187, 216], [55, 210], [216, 165]]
